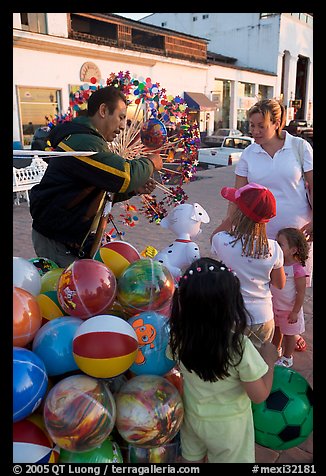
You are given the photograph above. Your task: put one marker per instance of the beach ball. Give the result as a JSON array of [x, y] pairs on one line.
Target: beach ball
[[79, 413], [27, 317], [176, 378], [26, 276], [161, 454], [153, 133], [116, 309], [49, 280], [115, 383], [43, 265], [153, 334], [146, 285], [149, 411], [105, 346], [31, 442], [49, 305], [86, 288], [53, 344], [117, 255], [29, 382], [285, 418], [107, 452]]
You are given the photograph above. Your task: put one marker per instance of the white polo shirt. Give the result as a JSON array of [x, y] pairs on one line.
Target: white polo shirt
[[253, 273], [282, 175]]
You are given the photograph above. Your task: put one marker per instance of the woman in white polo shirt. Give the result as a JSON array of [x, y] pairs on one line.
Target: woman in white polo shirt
[[272, 161]]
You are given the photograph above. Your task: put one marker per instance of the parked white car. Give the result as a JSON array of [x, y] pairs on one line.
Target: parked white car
[[229, 152], [218, 137]]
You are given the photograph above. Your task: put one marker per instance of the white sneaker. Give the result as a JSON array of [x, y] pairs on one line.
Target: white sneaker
[[285, 361]]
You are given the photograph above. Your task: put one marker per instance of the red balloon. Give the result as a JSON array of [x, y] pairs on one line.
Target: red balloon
[[153, 133], [86, 288]]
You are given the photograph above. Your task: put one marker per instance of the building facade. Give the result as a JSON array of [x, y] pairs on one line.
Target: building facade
[[281, 43], [55, 53]]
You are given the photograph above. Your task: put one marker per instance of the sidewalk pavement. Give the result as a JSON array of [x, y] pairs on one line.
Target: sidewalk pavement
[[205, 191]]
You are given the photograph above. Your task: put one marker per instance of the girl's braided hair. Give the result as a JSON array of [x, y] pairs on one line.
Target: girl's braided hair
[[252, 235]]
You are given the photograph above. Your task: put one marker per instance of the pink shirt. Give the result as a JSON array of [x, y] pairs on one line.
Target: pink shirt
[[283, 299]]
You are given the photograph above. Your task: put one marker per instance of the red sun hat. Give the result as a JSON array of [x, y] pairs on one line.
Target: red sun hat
[[255, 201]]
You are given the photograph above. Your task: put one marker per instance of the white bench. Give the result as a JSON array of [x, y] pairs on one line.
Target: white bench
[[25, 178]]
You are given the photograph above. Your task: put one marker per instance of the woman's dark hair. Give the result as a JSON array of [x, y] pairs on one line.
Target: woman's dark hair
[[208, 319], [110, 95]]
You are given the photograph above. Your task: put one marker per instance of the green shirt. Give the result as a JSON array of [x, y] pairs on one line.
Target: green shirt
[[225, 398]]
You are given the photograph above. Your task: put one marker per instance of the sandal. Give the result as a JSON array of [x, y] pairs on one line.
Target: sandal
[[300, 345], [285, 361]]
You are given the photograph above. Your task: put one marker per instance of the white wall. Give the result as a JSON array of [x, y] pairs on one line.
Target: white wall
[[57, 24], [253, 41], [296, 37], [176, 76], [42, 67]]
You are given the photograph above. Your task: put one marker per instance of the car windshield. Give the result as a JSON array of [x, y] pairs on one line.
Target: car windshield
[[236, 143]]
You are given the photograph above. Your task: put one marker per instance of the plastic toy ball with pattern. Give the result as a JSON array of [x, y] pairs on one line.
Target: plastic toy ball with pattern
[[185, 221]]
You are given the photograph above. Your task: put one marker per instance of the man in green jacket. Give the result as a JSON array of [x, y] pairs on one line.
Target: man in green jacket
[[68, 198]]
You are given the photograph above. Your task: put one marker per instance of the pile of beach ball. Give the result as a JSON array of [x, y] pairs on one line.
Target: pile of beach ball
[[92, 382]]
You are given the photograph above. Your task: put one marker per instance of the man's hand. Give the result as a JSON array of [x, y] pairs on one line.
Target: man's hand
[[156, 160], [148, 187]]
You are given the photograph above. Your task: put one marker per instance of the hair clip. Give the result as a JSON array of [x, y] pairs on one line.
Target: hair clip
[[198, 269], [191, 272], [211, 268], [231, 271], [222, 268]]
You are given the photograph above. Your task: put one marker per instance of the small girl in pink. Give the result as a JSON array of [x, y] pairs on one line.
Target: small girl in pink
[[288, 302]]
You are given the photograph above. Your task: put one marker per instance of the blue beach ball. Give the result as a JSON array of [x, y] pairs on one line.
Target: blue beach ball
[[30, 382], [53, 344], [153, 332]]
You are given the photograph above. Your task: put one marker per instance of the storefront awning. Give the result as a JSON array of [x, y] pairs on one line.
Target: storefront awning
[[199, 102]]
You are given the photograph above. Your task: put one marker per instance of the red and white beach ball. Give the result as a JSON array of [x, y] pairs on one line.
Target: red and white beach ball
[[117, 255], [105, 346], [31, 442], [86, 288]]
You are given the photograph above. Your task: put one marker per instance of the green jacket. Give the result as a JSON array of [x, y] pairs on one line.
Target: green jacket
[[64, 204]]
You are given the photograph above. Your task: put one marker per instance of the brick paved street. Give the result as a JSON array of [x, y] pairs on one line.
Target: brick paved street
[[204, 191]]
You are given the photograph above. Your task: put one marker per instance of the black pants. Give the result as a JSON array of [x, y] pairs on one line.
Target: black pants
[[47, 248]]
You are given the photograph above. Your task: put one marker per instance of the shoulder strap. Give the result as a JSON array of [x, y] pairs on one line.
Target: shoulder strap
[[298, 149], [95, 223]]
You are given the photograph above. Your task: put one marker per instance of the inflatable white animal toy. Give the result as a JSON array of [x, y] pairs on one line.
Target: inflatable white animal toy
[[185, 221]]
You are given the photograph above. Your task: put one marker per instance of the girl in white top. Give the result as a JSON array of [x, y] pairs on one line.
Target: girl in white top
[[256, 260]]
